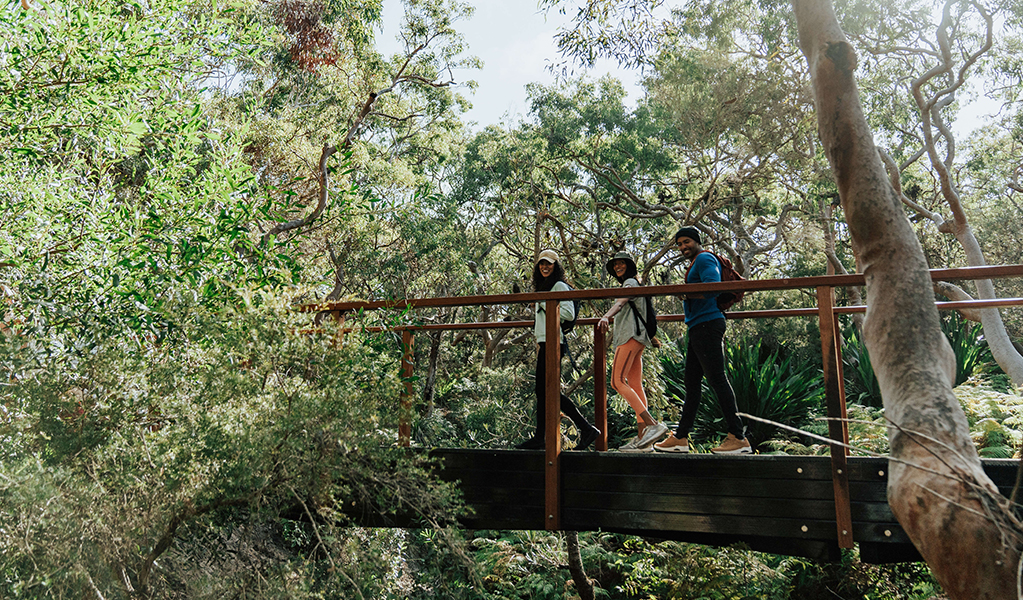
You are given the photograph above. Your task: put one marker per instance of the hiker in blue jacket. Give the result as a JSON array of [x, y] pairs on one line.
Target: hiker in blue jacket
[[705, 355], [549, 275]]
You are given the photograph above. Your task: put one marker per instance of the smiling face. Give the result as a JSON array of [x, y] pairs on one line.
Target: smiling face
[[546, 268], [619, 267], [688, 247]]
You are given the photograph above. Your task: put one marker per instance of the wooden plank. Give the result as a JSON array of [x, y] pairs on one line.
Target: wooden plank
[[888, 533], [488, 479], [505, 517], [477, 496], [657, 464], [819, 509], [719, 524], [719, 486], [511, 460], [886, 553], [797, 468], [853, 279], [837, 428]]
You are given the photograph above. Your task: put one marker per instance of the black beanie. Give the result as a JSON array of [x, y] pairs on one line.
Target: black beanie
[[689, 232]]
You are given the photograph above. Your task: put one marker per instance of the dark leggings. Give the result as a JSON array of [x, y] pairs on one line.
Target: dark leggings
[[567, 406], [705, 356]]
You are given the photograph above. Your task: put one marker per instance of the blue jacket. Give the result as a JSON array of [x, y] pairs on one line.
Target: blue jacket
[[705, 269]]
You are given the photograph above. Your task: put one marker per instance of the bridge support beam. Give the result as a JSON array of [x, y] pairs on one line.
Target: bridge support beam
[[838, 426]]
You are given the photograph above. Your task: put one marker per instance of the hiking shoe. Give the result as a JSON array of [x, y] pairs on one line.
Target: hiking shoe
[[587, 437], [733, 445], [632, 446], [650, 435], [673, 444]]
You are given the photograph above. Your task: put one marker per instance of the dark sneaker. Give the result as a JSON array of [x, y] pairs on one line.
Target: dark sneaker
[[587, 437], [533, 443], [733, 445], [673, 444]]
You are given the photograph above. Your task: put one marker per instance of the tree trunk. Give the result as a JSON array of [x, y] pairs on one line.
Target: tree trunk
[[429, 389], [575, 566], [936, 486], [997, 337]]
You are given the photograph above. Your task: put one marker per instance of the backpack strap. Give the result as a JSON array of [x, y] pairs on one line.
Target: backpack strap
[[642, 324]]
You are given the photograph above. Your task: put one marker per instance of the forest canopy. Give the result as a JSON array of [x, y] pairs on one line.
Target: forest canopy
[[177, 177]]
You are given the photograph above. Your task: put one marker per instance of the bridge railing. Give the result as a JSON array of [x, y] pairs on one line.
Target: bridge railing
[[825, 311]]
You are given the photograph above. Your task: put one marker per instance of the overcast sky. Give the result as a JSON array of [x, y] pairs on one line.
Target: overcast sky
[[516, 44]]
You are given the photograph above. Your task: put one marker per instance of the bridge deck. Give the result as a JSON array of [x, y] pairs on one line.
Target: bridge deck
[[778, 504]]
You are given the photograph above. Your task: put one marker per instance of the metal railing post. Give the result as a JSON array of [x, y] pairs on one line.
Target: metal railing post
[[838, 428]]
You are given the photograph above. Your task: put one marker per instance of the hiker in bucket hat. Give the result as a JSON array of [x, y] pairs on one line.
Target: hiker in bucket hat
[[631, 337]]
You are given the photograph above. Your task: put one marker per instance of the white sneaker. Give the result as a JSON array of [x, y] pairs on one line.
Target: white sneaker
[[651, 434], [631, 446]]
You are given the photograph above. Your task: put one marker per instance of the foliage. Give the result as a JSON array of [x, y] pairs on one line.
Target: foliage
[[120, 197], [766, 385], [868, 434], [861, 385], [995, 418], [968, 345], [965, 337], [232, 423], [530, 564], [489, 407]]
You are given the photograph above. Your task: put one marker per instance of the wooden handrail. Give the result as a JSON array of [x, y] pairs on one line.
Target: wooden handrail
[[749, 285]]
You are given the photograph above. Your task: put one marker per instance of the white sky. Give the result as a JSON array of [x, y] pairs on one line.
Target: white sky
[[516, 44]]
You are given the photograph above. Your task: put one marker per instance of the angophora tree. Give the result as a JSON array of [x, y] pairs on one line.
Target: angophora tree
[[937, 488]]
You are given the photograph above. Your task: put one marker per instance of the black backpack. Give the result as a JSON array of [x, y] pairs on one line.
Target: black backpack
[[568, 326], [651, 317]]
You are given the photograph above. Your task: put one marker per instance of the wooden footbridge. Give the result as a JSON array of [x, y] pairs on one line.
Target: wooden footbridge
[[810, 506]]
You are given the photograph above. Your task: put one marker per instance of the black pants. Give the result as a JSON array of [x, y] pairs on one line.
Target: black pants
[[567, 406], [705, 356]]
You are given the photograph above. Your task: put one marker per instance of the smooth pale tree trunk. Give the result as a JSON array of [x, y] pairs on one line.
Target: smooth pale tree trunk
[[994, 328], [936, 485]]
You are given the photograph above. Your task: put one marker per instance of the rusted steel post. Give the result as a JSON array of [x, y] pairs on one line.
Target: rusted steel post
[[837, 427], [407, 363], [600, 386], [552, 434]]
